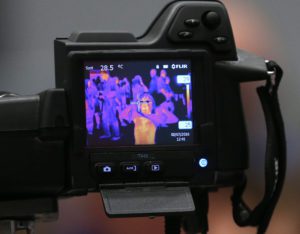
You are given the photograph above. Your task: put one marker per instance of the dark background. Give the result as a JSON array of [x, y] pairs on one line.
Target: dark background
[[267, 28]]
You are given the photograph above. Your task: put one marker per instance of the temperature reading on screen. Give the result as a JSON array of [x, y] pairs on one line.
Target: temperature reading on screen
[[107, 67], [185, 125], [183, 79]]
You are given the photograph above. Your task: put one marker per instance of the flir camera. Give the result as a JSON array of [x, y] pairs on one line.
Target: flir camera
[[146, 120], [155, 108]]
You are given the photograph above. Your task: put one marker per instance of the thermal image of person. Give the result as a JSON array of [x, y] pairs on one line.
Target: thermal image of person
[[97, 113], [92, 95], [108, 96], [91, 89], [90, 103], [144, 125], [165, 89], [148, 118], [138, 87], [163, 85], [124, 92], [89, 106], [153, 81]]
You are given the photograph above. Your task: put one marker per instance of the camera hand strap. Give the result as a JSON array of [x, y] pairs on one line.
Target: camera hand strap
[[275, 158]]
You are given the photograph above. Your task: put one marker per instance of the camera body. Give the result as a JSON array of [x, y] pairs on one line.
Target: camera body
[[110, 122], [186, 41]]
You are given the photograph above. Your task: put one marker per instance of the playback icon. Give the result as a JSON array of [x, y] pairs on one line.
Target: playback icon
[[155, 167]]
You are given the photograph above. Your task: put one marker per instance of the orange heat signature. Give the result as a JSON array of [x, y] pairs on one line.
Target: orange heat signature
[[144, 131]]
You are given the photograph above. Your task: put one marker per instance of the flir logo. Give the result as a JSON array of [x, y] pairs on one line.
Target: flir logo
[[179, 66]]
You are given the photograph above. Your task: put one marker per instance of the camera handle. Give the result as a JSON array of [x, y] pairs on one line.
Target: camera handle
[[275, 156]]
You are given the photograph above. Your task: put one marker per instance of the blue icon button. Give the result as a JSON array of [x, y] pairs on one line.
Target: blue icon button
[[203, 162], [106, 169], [130, 168], [155, 167]]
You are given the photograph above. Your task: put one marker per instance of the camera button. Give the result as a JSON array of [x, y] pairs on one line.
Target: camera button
[[220, 40], [203, 162], [192, 22], [185, 34], [105, 168], [211, 19], [130, 168], [154, 167]]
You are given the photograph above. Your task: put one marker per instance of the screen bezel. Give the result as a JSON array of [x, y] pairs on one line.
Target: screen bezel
[[202, 100]]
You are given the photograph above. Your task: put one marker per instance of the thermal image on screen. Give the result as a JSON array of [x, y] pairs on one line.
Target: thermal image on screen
[[144, 102]]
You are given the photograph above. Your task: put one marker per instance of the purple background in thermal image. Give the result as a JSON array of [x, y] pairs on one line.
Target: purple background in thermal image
[[118, 93]]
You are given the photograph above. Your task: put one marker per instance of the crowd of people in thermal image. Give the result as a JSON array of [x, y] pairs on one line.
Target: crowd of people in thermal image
[[111, 102]]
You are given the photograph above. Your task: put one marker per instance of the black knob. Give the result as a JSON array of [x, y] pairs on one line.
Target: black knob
[[211, 19]]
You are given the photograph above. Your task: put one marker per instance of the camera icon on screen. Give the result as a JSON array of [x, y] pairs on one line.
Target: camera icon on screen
[[107, 169]]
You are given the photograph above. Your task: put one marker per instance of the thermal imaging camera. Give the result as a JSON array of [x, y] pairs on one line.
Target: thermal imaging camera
[[149, 121], [154, 108]]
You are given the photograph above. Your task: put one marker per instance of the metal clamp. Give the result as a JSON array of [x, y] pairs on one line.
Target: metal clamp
[[274, 79]]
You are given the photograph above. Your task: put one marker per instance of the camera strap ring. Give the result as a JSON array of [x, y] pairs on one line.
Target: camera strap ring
[[275, 158], [275, 75]]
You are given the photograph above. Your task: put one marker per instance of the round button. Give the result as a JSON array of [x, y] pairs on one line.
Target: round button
[[203, 162], [211, 19]]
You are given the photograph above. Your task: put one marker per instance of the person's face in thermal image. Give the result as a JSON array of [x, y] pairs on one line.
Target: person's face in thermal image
[[89, 83], [167, 80], [146, 105], [117, 80], [163, 73], [104, 76], [144, 128], [153, 72]]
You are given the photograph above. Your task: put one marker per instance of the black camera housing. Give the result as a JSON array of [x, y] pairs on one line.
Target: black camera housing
[[52, 158], [220, 134]]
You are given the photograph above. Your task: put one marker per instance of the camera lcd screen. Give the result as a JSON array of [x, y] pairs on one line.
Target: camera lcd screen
[[138, 102]]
